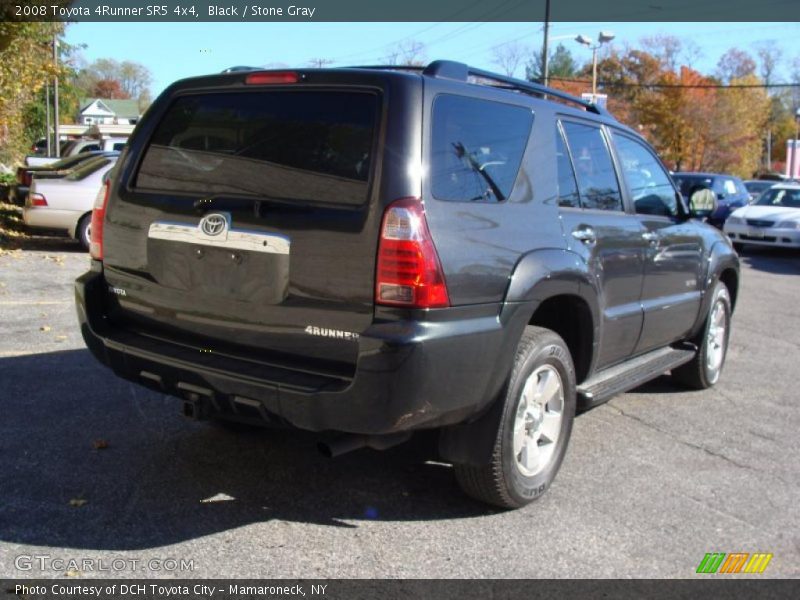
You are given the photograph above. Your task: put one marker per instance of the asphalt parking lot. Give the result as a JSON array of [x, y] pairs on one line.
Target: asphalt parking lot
[[95, 468]]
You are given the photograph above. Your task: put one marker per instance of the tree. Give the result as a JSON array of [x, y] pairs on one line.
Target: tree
[[561, 65], [735, 64], [508, 56], [26, 63], [132, 78], [109, 88], [408, 53]]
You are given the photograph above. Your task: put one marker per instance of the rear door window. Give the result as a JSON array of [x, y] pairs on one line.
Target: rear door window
[[476, 148], [597, 180], [315, 146]]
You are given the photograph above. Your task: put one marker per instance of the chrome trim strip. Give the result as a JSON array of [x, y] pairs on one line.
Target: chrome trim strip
[[230, 239]]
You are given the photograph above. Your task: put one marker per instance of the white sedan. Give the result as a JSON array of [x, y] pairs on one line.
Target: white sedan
[[67, 203], [774, 220]]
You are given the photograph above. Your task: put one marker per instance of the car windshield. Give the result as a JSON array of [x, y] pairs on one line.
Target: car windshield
[[789, 198]]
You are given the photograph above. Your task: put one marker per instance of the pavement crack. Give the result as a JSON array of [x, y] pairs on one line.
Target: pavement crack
[[672, 436]]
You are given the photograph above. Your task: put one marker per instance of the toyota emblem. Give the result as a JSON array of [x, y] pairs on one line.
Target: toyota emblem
[[213, 224]]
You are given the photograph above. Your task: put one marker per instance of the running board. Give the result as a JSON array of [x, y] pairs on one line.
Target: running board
[[620, 378]]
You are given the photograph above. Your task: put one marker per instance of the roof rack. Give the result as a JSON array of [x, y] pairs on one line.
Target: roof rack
[[448, 69]]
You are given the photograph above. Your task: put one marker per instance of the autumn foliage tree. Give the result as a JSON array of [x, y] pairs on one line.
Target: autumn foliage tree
[[109, 88]]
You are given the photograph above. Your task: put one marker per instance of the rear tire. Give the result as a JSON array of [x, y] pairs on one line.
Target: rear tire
[[705, 368], [84, 231], [534, 430]]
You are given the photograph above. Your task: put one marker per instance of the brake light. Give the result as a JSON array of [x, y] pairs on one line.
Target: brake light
[[27, 178], [272, 77], [98, 214], [38, 200], [409, 272]]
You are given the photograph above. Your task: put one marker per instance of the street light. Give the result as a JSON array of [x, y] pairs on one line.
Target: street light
[[603, 38]]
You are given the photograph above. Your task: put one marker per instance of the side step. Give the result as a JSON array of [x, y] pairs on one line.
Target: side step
[[620, 378]]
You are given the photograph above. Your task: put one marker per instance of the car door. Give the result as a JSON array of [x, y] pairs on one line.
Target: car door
[[673, 258], [598, 228]]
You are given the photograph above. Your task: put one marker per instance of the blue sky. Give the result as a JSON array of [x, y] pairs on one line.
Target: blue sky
[[175, 50]]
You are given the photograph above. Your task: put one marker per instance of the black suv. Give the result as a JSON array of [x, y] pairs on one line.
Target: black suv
[[374, 251]]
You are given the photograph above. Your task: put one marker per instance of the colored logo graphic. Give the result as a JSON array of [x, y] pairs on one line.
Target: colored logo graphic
[[737, 562]]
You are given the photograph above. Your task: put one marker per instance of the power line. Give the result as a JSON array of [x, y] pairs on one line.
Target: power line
[[681, 85]]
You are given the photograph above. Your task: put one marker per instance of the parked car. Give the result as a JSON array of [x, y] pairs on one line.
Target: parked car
[[80, 146], [376, 251], [755, 187], [731, 192], [774, 220], [39, 147], [61, 168], [66, 203]]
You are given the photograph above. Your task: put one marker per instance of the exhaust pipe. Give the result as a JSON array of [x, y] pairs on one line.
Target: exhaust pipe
[[348, 443]]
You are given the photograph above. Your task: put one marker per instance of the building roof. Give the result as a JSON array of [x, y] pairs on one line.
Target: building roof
[[120, 108]]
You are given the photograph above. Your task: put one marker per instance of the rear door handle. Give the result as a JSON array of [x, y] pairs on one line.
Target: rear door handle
[[585, 235]]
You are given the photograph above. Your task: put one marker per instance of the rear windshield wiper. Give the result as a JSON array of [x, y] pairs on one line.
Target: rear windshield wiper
[[462, 152]]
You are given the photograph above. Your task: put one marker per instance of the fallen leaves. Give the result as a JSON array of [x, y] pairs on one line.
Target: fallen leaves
[[78, 502], [44, 328], [100, 444]]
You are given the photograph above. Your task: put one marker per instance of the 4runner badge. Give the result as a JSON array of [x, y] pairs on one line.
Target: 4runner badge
[[331, 333]]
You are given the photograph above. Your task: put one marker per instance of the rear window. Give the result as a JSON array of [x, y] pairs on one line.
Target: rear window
[[311, 146], [476, 148], [89, 167]]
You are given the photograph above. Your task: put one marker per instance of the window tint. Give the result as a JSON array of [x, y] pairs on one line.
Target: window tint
[[567, 186], [302, 145], [648, 183], [597, 181], [476, 148]]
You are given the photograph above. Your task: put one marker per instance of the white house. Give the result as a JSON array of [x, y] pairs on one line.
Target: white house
[[103, 111]]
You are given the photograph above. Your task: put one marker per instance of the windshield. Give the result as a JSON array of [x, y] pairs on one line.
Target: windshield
[[789, 198]]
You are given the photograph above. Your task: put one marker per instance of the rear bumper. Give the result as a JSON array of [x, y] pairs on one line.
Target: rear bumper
[[50, 218], [409, 375]]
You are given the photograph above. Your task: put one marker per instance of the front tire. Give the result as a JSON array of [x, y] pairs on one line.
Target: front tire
[[534, 429], [704, 369]]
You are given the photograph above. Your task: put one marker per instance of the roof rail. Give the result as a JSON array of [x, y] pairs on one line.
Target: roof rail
[[449, 69]]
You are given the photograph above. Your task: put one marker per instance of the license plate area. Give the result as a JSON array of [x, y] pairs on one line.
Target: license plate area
[[236, 264]]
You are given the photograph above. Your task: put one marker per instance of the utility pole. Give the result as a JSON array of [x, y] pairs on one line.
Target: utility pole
[[545, 49], [47, 112], [55, 98]]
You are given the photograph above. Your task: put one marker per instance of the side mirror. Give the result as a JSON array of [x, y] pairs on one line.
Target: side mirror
[[702, 203]]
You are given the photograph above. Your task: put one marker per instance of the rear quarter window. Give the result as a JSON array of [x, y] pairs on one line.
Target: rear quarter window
[[476, 148], [299, 145]]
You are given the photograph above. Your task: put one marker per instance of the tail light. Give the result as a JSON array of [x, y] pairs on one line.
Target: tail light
[[38, 200], [272, 77], [27, 178], [409, 272], [21, 175], [98, 215]]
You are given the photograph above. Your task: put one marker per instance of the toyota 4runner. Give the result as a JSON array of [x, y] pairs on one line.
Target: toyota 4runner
[[378, 250]]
